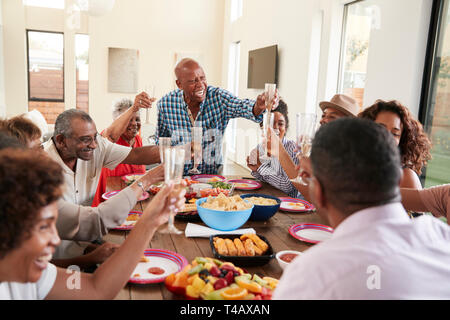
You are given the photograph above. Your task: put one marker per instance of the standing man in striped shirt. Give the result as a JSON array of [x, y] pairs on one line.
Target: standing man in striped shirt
[[195, 103]]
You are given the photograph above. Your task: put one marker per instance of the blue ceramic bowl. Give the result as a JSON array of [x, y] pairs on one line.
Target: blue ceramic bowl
[[222, 220], [262, 213]]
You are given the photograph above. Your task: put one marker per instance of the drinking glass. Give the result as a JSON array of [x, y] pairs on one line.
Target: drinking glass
[[267, 123], [197, 138], [150, 91], [269, 93], [306, 127], [173, 173], [164, 143]]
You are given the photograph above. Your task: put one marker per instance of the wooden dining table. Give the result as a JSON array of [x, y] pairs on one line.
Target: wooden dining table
[[275, 230]]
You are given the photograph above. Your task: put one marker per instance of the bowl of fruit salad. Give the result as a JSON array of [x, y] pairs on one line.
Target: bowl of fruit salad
[[212, 279]]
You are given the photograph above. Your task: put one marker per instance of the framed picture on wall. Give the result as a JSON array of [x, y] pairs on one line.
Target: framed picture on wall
[[123, 70]]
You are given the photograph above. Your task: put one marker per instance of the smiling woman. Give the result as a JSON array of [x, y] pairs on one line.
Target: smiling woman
[[31, 185], [28, 235], [124, 131], [411, 139]]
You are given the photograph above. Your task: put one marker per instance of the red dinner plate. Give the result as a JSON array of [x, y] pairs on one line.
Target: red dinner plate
[[244, 184], [110, 194], [311, 232], [160, 264], [205, 178], [295, 205], [128, 225]]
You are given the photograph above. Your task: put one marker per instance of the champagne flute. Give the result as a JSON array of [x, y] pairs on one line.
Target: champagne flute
[[197, 138], [150, 91], [268, 119], [164, 143], [173, 173], [269, 95], [306, 127]]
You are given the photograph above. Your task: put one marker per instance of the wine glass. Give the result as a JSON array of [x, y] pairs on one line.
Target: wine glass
[[306, 127], [164, 143], [197, 137], [150, 91], [173, 173]]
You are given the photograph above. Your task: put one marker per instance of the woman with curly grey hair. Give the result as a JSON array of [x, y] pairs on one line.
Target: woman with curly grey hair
[[124, 131]]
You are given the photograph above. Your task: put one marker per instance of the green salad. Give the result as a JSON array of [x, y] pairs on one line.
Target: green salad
[[220, 184]]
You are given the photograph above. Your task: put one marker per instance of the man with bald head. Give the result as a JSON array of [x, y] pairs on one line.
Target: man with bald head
[[195, 103]]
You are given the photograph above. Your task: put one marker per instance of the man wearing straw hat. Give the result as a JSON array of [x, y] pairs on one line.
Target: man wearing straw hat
[[339, 106]]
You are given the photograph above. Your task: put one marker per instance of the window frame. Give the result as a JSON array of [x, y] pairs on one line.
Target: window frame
[[426, 107], [28, 68], [342, 49]]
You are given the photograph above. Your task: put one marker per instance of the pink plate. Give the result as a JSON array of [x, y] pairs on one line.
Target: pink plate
[[311, 232], [110, 194], [205, 178], [170, 262], [295, 205], [244, 184], [128, 225]]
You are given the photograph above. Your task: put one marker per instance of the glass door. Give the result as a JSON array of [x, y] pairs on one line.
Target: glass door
[[435, 108]]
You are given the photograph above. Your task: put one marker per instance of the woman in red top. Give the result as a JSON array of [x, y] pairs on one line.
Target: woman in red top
[[124, 131]]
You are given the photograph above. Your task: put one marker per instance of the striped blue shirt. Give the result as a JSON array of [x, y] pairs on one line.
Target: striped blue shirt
[[218, 108], [273, 173]]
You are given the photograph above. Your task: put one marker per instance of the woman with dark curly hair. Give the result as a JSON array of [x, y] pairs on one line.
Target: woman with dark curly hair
[[31, 185], [412, 140]]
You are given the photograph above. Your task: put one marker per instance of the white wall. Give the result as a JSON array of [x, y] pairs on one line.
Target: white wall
[[14, 55], [397, 52], [264, 23], [158, 29], [308, 67], [2, 68]]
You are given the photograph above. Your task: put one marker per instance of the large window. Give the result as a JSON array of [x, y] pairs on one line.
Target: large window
[[236, 10], [435, 102], [82, 62], [46, 73], [45, 66], [358, 19]]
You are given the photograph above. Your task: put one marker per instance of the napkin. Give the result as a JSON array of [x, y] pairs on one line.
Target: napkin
[[195, 230]]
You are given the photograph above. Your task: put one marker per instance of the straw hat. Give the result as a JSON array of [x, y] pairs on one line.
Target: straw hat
[[343, 103]]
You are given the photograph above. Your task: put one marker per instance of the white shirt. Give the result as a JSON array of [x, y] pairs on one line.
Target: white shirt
[[31, 290], [80, 186], [376, 253]]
